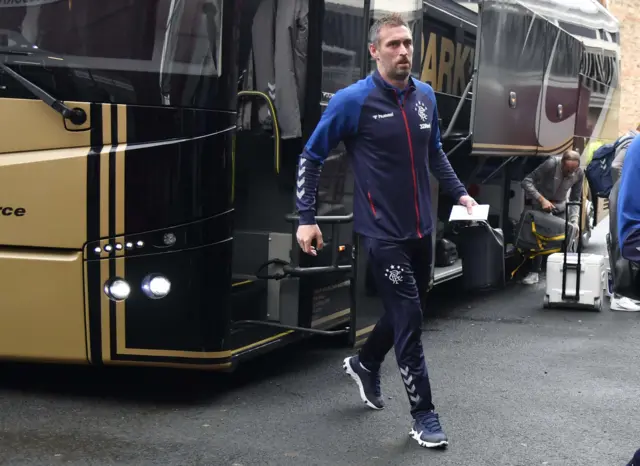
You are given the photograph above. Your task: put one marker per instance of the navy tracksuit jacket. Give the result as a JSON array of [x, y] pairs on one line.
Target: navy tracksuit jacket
[[393, 138]]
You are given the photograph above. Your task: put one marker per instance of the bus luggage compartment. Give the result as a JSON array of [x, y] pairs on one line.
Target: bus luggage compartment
[[537, 66], [42, 316]]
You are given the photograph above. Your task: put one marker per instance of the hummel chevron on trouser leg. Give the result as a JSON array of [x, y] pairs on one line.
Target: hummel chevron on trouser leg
[[399, 269], [630, 249]]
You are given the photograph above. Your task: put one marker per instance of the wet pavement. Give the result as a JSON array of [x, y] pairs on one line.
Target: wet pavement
[[514, 384]]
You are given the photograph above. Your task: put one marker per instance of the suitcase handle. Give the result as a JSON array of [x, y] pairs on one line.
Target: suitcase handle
[[577, 266]]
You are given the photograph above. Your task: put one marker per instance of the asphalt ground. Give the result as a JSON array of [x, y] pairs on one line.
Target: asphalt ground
[[514, 384]]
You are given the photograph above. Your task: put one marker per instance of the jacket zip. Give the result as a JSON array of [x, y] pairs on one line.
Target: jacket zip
[[373, 208], [413, 166]]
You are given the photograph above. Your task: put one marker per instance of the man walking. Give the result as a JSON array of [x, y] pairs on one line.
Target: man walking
[[629, 205], [548, 186], [619, 302], [389, 123]]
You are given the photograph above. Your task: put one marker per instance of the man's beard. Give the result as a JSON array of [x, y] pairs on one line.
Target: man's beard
[[400, 73]]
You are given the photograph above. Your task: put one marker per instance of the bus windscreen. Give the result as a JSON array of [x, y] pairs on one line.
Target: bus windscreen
[[157, 52]]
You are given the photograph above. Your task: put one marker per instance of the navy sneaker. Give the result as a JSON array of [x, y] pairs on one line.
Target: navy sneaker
[[368, 382], [427, 431]]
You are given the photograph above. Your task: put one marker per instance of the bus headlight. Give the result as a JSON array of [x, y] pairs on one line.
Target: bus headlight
[[156, 286], [117, 289]]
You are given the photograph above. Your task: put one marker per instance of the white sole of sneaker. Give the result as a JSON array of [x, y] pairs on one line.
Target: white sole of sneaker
[[416, 436], [347, 368]]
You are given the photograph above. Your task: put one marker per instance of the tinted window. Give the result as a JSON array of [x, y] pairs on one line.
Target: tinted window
[[138, 51], [342, 44]]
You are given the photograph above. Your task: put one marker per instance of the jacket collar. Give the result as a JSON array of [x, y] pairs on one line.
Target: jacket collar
[[377, 79]]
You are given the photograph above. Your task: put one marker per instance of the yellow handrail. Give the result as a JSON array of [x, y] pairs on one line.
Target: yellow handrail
[[276, 127]]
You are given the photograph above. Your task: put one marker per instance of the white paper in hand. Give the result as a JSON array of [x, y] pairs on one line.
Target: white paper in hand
[[459, 213]]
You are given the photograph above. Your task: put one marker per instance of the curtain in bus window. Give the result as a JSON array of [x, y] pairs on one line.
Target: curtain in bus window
[[277, 64]]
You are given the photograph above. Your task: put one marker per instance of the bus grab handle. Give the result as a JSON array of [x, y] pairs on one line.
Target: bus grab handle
[[324, 219], [334, 221]]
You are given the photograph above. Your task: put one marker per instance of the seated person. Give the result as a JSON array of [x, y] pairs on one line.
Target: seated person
[[629, 205], [548, 186], [621, 153]]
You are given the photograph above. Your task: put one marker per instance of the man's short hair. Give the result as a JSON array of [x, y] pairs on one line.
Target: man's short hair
[[571, 155], [389, 20]]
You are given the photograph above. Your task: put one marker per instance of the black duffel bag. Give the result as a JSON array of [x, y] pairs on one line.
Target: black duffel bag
[[540, 231], [446, 253]]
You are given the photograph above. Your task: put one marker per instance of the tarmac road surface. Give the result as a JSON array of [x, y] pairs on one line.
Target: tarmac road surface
[[514, 384]]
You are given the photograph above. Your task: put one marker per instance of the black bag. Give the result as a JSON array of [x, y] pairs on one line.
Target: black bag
[[482, 251], [446, 253], [540, 231], [598, 172]]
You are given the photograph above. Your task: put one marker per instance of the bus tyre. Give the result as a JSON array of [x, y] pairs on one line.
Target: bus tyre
[[545, 302]]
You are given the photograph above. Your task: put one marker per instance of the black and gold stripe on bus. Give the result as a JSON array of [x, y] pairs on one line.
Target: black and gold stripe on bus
[[105, 216], [107, 322], [93, 296], [110, 161], [114, 159], [523, 150]]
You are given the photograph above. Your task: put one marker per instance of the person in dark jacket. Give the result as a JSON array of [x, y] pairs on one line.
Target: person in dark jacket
[[621, 152], [635, 461], [619, 302], [389, 124], [629, 204]]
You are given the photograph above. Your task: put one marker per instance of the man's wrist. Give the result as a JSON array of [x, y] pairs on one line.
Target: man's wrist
[[461, 193], [307, 217]]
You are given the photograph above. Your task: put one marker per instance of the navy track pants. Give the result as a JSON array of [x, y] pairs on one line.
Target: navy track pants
[[401, 272], [631, 247]]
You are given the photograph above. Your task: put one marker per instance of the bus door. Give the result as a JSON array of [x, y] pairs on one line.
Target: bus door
[[276, 284], [336, 288], [336, 57], [282, 61], [262, 167]]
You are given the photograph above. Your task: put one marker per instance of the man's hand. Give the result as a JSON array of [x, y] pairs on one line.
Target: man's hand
[[305, 236], [546, 205], [468, 202]]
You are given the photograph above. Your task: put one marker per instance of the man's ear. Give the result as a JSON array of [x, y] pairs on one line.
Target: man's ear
[[373, 51]]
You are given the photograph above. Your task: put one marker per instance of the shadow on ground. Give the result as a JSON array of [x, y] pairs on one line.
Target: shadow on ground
[[183, 387]]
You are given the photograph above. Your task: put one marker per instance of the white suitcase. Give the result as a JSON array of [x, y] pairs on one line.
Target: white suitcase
[[592, 285]]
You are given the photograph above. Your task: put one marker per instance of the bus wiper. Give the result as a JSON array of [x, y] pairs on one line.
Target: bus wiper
[[77, 116]]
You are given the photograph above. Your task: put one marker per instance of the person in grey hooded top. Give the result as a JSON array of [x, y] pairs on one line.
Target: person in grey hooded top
[[621, 152]]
